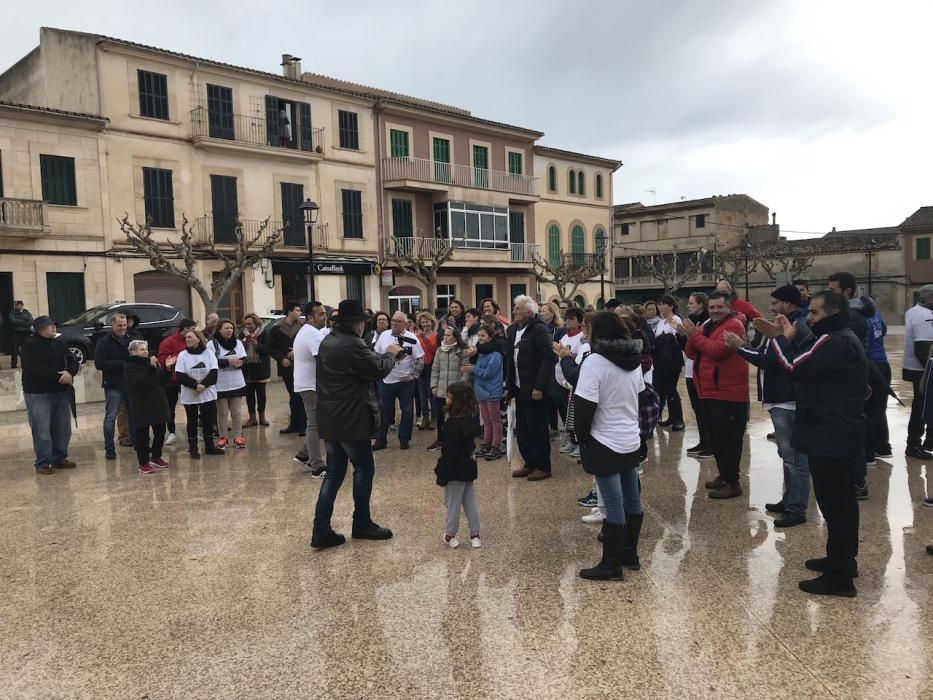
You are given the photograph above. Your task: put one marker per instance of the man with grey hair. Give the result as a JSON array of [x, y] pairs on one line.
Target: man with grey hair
[[110, 355], [918, 336], [529, 373], [401, 382]]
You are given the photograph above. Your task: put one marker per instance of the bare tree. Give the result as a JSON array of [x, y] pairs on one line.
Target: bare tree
[[733, 266], [247, 251], [422, 258], [672, 269], [788, 266], [568, 272]]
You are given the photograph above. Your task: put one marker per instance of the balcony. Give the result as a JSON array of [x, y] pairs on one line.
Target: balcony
[[22, 218], [249, 132], [521, 253], [220, 232], [701, 278], [421, 174]]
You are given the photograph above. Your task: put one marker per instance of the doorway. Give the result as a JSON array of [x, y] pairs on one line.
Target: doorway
[[6, 306], [66, 294]]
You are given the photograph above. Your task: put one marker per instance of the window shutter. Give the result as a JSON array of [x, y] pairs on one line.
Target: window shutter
[[272, 121], [304, 126]]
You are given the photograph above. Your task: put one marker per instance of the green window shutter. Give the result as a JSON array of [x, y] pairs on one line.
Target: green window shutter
[[398, 143], [57, 174], [572, 183], [552, 179], [442, 171], [599, 187], [553, 245], [515, 163], [600, 237], [352, 201], [577, 244], [923, 249], [580, 188], [481, 166], [402, 225]]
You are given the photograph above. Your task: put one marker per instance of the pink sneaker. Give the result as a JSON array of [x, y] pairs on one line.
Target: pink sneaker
[[158, 463], [145, 468]]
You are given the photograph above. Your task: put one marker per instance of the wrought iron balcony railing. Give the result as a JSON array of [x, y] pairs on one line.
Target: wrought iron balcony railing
[[424, 170], [256, 130], [222, 231]]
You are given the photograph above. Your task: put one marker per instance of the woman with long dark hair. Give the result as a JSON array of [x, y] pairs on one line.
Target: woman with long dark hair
[[668, 361], [257, 369], [698, 314]]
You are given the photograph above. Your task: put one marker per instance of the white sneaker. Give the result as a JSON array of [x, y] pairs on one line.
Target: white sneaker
[[306, 463], [170, 439], [594, 517], [575, 452], [475, 543], [567, 447], [452, 542]]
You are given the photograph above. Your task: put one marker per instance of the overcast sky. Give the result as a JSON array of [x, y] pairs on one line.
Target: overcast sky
[[823, 111]]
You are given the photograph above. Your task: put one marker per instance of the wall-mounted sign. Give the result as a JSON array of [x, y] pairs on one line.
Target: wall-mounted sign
[[388, 278], [329, 267]]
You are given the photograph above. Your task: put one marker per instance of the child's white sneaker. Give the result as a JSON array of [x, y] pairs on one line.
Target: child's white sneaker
[[594, 517], [450, 541], [475, 542]]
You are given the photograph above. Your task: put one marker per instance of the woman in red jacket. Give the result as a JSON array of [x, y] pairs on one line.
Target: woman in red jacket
[[427, 337], [721, 379]]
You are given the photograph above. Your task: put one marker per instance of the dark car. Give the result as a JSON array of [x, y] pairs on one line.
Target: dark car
[[82, 332]]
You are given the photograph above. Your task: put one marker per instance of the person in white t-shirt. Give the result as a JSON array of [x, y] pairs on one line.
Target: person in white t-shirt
[[606, 424], [306, 345], [668, 361], [918, 336], [572, 339], [231, 384], [401, 383], [196, 370]]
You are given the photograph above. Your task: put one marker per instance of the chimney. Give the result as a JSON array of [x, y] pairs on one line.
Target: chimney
[[291, 66], [774, 219]]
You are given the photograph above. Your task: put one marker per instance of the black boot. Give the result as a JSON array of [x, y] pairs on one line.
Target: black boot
[[609, 567], [830, 584], [630, 541], [193, 448], [209, 447]]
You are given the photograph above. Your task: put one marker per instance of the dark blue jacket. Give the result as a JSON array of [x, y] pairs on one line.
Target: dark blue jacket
[[110, 355], [877, 329], [775, 385]]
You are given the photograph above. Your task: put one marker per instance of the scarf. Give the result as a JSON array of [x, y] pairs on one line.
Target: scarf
[[252, 354], [447, 347], [289, 329], [574, 332], [226, 344]]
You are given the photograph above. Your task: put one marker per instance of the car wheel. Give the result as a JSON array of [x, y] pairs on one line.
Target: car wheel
[[79, 352]]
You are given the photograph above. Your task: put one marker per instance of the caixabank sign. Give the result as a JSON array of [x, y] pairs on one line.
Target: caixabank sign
[[342, 268]]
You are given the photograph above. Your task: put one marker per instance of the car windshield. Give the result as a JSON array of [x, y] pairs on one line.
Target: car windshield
[[88, 317]]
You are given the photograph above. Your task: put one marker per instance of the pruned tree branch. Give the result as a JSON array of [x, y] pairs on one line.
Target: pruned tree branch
[[791, 266], [422, 258], [672, 269], [568, 272]]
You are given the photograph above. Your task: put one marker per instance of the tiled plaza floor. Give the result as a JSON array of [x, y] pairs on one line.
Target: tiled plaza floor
[[199, 582]]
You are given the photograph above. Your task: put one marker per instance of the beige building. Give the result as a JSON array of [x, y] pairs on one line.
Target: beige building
[[196, 139], [573, 216]]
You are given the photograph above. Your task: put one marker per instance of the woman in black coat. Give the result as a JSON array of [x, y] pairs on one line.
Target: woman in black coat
[[145, 392], [256, 370]]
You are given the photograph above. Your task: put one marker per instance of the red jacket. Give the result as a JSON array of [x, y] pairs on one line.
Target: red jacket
[[718, 371], [429, 345], [746, 308], [169, 347]]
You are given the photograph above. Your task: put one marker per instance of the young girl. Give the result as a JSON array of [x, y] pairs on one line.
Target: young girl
[[456, 468], [231, 384], [448, 368], [196, 371], [487, 382]]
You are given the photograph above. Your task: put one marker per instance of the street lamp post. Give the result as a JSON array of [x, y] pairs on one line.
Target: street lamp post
[[871, 246], [309, 211], [601, 247], [747, 246]]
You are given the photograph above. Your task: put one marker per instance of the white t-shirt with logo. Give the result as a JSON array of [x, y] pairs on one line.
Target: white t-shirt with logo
[[615, 391], [404, 368], [229, 378], [197, 367], [573, 344], [305, 346]]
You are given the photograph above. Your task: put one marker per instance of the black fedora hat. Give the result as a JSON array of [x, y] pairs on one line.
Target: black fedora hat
[[349, 310]]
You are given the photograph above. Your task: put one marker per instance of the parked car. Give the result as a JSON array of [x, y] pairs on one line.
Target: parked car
[[82, 332]]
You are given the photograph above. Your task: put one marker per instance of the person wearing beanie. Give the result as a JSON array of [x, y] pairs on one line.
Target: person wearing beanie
[[48, 373], [777, 394]]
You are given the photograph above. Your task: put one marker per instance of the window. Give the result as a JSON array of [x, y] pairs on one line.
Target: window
[[577, 244], [572, 182], [923, 249], [224, 208], [153, 94], [441, 148], [355, 288], [65, 294], [580, 188], [292, 217], [220, 112], [402, 225], [622, 268], [515, 163], [701, 220], [553, 245], [348, 129], [288, 124], [516, 290], [398, 143], [599, 186], [352, 213], [480, 166], [483, 291], [58, 180], [231, 303], [552, 178], [1, 173], [445, 294], [407, 299], [158, 197], [579, 301], [623, 229], [473, 225], [599, 237], [519, 252]]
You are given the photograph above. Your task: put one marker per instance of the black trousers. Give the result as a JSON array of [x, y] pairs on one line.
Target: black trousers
[[18, 340], [917, 423], [727, 421], [532, 432], [143, 452], [208, 413], [256, 397], [833, 479], [697, 405], [876, 433], [666, 386], [171, 393], [296, 406]]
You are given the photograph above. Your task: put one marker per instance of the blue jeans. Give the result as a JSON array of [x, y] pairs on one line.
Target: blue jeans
[[405, 393], [50, 421], [621, 495], [113, 397], [360, 452], [796, 468]]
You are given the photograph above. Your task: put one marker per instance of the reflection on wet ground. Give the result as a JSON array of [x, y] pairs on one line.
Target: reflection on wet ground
[[199, 582]]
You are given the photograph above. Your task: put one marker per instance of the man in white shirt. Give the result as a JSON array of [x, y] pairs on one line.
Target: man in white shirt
[[305, 347], [401, 382], [918, 335]]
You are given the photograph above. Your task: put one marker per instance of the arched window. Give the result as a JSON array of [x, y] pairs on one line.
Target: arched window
[[600, 304], [579, 301], [572, 182], [599, 186], [599, 236], [552, 178], [553, 245], [577, 244], [580, 188]]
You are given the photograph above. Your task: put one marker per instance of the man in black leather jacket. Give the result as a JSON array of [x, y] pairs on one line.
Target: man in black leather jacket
[[348, 418]]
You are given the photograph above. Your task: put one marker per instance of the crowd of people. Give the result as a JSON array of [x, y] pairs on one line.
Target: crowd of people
[[599, 381]]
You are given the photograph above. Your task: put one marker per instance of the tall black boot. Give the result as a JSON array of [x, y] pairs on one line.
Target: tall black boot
[[209, 447], [193, 448], [609, 567], [630, 541]]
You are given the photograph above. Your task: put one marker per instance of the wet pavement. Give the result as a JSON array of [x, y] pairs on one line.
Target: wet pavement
[[199, 582]]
